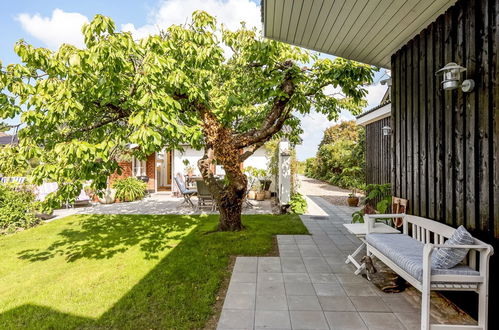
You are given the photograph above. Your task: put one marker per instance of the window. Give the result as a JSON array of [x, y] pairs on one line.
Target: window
[[138, 167]]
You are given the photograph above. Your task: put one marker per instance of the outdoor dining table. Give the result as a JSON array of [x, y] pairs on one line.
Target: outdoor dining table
[[360, 231]]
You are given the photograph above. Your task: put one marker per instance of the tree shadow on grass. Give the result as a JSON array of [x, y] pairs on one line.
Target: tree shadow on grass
[[104, 236], [179, 292]]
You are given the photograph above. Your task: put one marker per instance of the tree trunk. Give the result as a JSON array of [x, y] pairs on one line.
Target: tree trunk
[[229, 193], [230, 206]]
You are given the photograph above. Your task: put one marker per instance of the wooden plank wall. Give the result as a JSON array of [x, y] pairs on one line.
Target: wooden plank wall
[[445, 144], [378, 156]]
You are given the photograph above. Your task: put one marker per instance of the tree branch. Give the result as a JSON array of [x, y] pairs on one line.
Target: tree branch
[[251, 150], [122, 113], [276, 117]]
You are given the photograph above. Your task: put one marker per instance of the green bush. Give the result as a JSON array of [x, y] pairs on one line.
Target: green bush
[[298, 204], [129, 189], [17, 208], [378, 199], [340, 159]]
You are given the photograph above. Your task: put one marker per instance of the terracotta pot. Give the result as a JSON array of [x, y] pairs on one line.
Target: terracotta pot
[[353, 201], [260, 196], [251, 194], [268, 194]]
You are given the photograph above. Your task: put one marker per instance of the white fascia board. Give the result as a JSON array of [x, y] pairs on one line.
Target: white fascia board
[[376, 115]]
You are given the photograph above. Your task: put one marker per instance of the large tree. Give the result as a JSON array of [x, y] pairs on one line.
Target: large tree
[[226, 92]]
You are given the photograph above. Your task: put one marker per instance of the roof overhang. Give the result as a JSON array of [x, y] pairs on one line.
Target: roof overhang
[[368, 31], [372, 116]]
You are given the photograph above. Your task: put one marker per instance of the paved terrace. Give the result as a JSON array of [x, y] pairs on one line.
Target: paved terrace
[[158, 203], [309, 286]]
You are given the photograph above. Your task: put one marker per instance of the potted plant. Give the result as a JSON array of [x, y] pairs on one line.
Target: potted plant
[[253, 190], [353, 199], [259, 193], [265, 181]]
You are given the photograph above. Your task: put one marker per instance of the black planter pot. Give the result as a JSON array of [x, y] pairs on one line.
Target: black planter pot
[[265, 184]]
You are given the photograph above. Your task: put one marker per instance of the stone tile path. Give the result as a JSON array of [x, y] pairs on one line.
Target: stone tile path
[[309, 286]]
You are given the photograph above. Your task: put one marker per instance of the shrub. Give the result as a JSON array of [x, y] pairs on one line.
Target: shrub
[[17, 208], [378, 194], [340, 157], [298, 204], [129, 189]]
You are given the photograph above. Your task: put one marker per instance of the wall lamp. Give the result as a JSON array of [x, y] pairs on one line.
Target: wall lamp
[[387, 130], [452, 76]]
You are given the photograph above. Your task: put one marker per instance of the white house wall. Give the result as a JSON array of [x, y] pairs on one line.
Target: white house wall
[[192, 155], [258, 160]]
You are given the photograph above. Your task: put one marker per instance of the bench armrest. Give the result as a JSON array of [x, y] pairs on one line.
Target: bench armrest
[[369, 219]]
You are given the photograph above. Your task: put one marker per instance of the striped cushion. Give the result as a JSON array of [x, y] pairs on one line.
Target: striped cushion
[[449, 257], [407, 253]]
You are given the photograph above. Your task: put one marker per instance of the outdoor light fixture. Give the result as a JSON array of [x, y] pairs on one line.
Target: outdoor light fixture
[[452, 76], [387, 130]]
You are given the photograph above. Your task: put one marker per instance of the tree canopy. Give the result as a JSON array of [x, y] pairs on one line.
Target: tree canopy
[[340, 159], [82, 107]]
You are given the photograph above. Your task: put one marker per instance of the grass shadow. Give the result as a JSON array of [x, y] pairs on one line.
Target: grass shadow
[[102, 237], [179, 292]]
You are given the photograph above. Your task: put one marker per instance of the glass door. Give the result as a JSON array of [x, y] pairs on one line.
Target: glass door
[[163, 170]]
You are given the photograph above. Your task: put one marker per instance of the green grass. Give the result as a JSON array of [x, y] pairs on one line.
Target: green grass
[[126, 272]]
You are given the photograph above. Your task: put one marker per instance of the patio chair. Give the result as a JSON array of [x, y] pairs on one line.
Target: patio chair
[[186, 193], [247, 203], [204, 195]]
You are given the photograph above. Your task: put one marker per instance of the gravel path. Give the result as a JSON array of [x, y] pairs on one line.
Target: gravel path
[[313, 187]]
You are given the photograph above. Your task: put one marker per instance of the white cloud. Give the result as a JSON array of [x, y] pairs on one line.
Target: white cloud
[[61, 27], [314, 124], [230, 13]]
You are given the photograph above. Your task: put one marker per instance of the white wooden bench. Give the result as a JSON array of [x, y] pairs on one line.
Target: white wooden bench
[[409, 255]]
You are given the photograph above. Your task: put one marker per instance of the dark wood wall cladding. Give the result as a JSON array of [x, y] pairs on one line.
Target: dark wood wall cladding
[[378, 156], [445, 144]]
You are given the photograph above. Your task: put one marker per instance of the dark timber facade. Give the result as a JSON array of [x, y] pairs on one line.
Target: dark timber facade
[[445, 148]]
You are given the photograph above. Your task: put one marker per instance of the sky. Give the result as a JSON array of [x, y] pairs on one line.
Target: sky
[[49, 23]]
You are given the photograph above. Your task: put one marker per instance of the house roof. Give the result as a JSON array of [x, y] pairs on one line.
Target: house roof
[[383, 110], [365, 31], [8, 139]]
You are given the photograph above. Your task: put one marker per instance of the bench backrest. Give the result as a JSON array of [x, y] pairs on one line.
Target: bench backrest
[[431, 231]]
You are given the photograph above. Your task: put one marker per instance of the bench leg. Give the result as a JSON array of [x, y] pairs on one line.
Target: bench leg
[[425, 308], [426, 289], [483, 299]]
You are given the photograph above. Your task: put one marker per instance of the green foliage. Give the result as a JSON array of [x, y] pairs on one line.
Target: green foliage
[[17, 207], [378, 194], [258, 173], [298, 204], [81, 107], [300, 167], [4, 127], [125, 271], [129, 189], [340, 159]]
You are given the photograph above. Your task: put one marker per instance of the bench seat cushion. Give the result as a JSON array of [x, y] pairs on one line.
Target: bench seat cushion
[[407, 253]]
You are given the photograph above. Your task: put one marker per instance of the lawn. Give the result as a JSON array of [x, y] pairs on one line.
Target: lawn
[[124, 271]]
